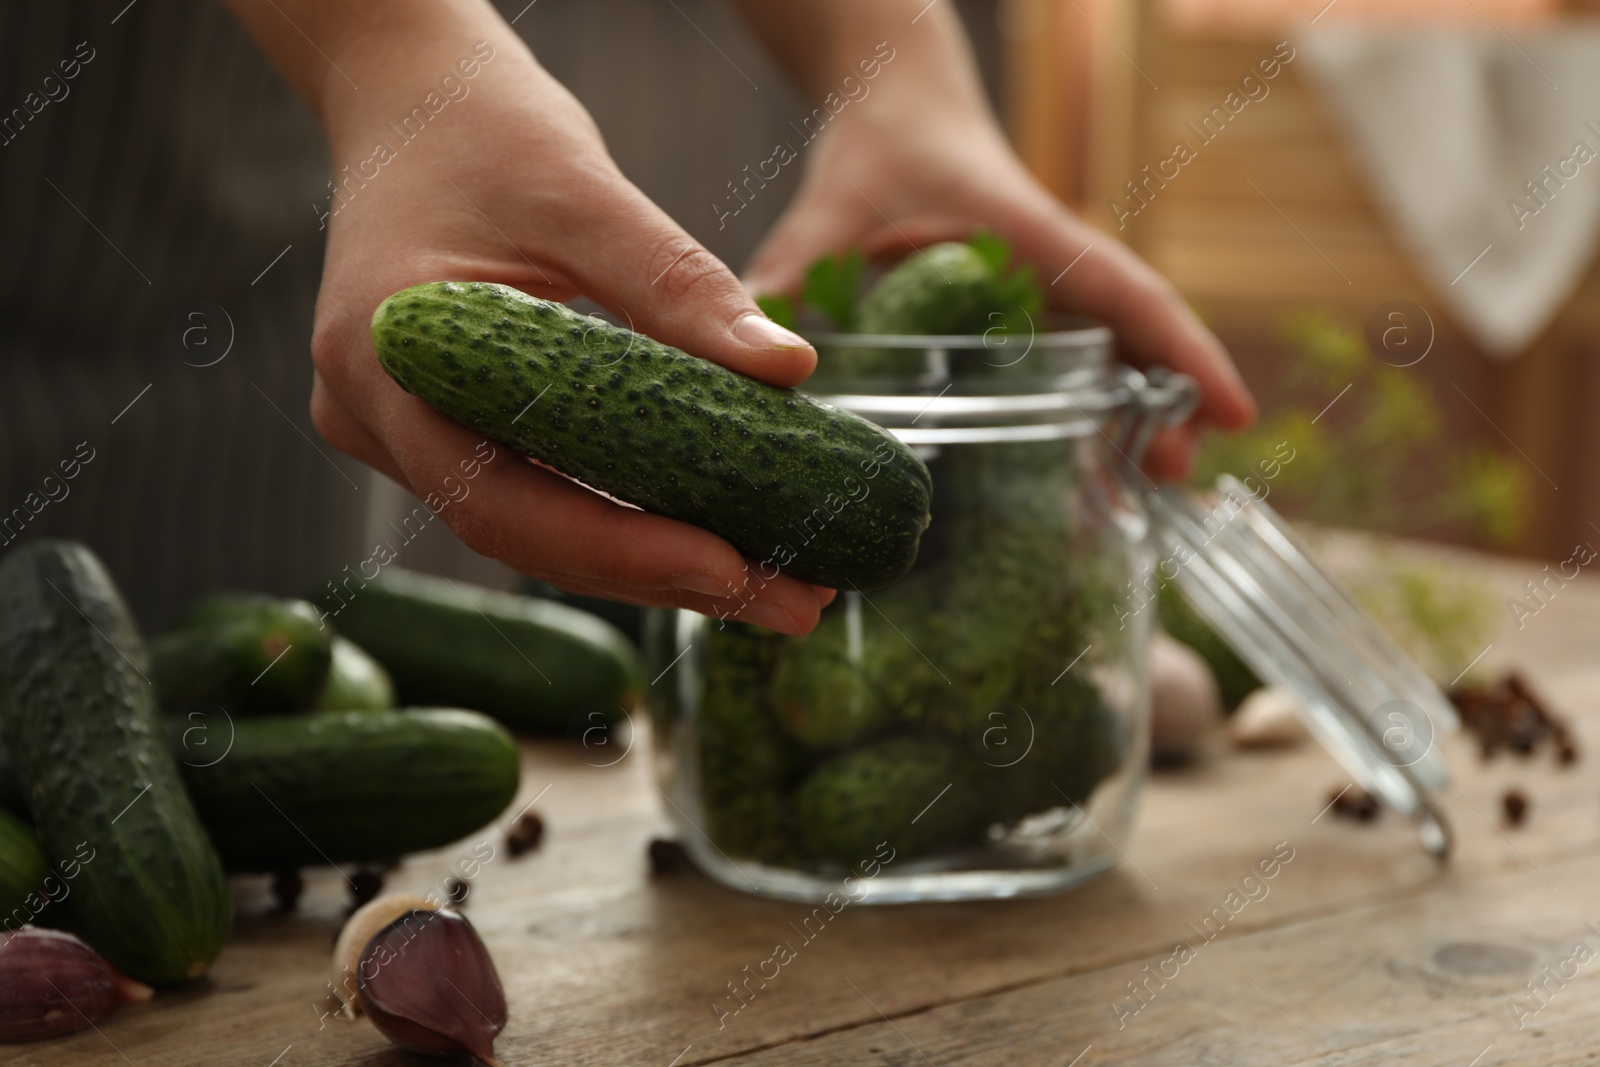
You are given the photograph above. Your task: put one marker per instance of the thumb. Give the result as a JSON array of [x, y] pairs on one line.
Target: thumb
[[643, 267]]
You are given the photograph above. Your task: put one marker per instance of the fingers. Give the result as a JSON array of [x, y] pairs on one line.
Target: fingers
[[1079, 269], [661, 282], [550, 527], [809, 229], [1087, 272], [1170, 456], [724, 609], [339, 426], [745, 598], [1155, 327]]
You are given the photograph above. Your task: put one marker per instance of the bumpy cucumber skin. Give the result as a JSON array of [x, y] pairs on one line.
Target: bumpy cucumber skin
[[345, 787], [533, 664], [83, 728], [356, 681], [748, 767], [251, 654], [822, 494], [23, 869]]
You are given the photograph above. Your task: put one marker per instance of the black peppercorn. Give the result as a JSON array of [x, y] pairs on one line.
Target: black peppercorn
[[525, 834], [666, 857], [1516, 807]]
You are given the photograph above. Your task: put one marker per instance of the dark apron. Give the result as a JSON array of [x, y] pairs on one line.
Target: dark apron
[[160, 253]]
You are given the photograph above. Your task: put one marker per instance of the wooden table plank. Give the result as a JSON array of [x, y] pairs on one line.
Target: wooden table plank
[[605, 965], [1427, 980]]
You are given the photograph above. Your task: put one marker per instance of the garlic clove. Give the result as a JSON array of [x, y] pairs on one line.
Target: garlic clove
[[1269, 718], [429, 985], [353, 937], [52, 984], [1185, 705]]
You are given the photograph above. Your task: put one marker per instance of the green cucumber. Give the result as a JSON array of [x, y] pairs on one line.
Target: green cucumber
[[356, 681], [23, 869], [83, 728], [826, 694], [347, 787], [1235, 679], [251, 654], [533, 664], [956, 288], [919, 793], [12, 797], [822, 494], [747, 765], [947, 288]]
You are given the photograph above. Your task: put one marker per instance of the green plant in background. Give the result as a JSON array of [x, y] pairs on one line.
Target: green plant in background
[[1366, 471], [1440, 616], [1362, 467]]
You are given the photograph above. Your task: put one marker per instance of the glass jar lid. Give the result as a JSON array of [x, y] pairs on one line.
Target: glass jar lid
[[1251, 577]]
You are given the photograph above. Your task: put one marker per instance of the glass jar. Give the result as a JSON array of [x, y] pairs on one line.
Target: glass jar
[[978, 728]]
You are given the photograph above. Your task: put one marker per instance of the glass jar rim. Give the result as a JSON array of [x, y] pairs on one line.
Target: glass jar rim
[[1084, 334], [1076, 390]]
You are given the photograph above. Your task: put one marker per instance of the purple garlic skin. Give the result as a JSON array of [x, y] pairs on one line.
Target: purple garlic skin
[[428, 984], [52, 984]]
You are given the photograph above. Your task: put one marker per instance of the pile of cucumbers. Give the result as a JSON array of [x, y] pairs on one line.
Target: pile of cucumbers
[[933, 712], [257, 734]]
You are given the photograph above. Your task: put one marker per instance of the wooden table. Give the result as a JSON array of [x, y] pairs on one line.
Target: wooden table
[[1362, 951]]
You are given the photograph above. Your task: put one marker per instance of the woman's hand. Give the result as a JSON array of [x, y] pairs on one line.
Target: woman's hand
[[501, 176], [919, 159]]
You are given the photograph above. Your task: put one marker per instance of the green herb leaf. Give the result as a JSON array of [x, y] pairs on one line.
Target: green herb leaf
[[1020, 295], [832, 285], [780, 309], [994, 249]]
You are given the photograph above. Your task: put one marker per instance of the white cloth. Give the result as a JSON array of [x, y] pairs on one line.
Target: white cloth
[[1450, 127]]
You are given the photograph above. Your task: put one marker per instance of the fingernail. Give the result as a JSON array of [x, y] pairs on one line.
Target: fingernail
[[704, 584], [765, 613], [758, 331]]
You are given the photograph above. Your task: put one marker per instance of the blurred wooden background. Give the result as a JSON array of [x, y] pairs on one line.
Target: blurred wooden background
[[1245, 264], [1091, 90]]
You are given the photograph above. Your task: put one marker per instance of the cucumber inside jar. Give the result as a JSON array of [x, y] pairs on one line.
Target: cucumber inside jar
[[935, 715]]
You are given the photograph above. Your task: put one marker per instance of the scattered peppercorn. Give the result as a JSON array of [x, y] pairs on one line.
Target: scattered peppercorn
[[286, 889], [1510, 716], [456, 889], [1353, 802], [666, 857], [365, 885], [1515, 804], [525, 834]]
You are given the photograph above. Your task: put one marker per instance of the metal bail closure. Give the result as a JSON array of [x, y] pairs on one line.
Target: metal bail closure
[[1251, 577]]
